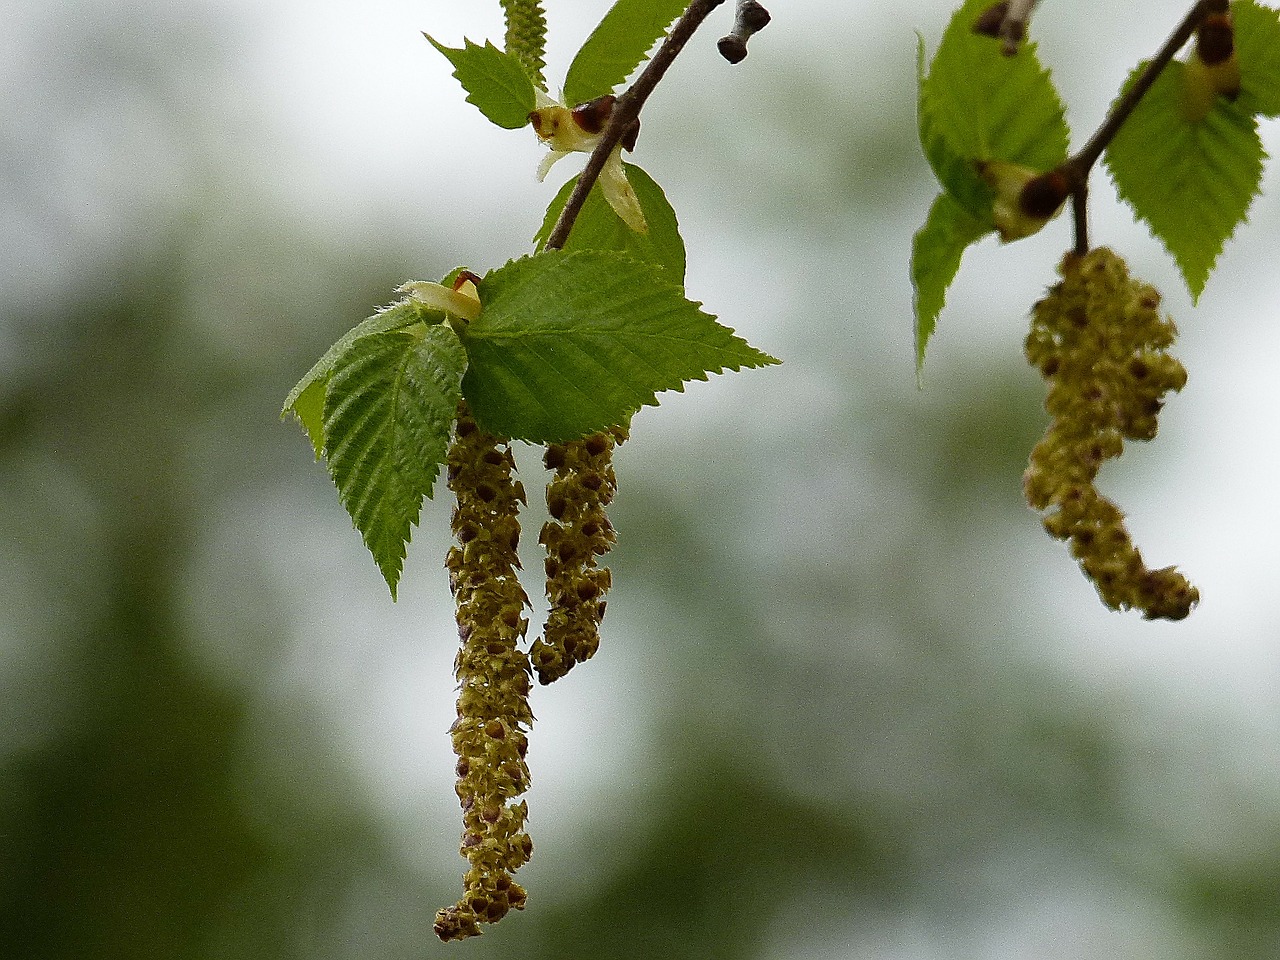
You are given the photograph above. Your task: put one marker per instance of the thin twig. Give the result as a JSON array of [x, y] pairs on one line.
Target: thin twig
[[1080, 212], [1006, 20], [625, 112], [1077, 167], [750, 19]]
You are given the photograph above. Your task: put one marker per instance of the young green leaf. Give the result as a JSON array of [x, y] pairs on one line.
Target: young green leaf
[[957, 174], [388, 410], [1191, 182], [572, 342], [976, 105], [495, 82], [617, 46], [935, 257], [306, 399], [1258, 52], [599, 228]]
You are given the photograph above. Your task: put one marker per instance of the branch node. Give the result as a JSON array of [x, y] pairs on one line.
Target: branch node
[[750, 19], [625, 114]]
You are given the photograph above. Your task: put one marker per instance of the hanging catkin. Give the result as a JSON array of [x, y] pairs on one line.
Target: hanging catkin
[[489, 735], [1099, 340], [577, 533]]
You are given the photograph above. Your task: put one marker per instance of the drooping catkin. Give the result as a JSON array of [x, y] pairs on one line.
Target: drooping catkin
[[527, 36], [489, 735], [578, 532], [1099, 340]]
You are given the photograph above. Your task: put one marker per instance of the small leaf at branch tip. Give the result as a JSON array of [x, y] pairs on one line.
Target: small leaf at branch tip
[[1212, 70]]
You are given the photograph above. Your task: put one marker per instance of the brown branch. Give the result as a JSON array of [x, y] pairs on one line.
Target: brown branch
[[1077, 167], [625, 113], [750, 19], [1080, 212], [1007, 21]]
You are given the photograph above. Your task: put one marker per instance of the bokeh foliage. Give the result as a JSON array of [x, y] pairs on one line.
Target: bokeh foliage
[[827, 611]]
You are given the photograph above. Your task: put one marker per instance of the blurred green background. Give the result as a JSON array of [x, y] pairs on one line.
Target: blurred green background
[[851, 701]]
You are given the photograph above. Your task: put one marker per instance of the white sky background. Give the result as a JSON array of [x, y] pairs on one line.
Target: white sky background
[[365, 130]]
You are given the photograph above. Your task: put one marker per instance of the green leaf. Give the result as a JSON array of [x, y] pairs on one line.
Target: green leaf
[[1258, 53], [976, 104], [572, 342], [957, 174], [935, 257], [599, 228], [1191, 182], [391, 402], [495, 82], [306, 399], [617, 46]]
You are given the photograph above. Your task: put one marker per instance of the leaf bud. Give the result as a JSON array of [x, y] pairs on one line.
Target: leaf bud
[[1025, 200], [593, 116], [1212, 70]]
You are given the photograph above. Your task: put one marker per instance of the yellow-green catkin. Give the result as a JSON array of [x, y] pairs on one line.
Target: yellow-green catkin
[[526, 37], [578, 532], [489, 735], [1101, 343]]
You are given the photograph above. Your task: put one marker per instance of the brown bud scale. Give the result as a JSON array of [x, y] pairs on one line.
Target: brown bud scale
[[594, 115], [1043, 195], [1215, 39]]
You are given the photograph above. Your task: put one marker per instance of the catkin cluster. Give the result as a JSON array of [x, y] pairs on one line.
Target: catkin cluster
[[1100, 342], [493, 679], [526, 36], [577, 533]]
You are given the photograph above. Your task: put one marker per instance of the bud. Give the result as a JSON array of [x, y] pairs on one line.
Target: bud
[[568, 130], [1212, 70], [1024, 199]]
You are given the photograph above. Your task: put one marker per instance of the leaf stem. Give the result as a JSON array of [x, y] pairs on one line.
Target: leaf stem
[[1078, 166], [625, 111]]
